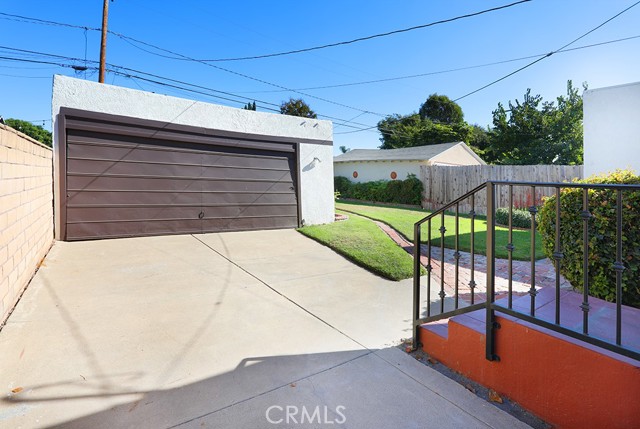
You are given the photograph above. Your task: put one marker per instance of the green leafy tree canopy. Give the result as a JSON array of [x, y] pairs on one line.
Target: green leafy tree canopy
[[440, 109], [297, 107], [535, 131], [36, 132], [400, 131]]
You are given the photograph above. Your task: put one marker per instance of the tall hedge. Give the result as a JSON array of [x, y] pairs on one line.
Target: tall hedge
[[408, 191], [602, 237]]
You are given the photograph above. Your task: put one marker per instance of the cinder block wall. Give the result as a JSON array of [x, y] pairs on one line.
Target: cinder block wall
[[26, 212]]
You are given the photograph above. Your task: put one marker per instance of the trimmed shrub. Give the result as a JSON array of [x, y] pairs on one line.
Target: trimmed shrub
[[341, 184], [520, 218], [408, 191], [602, 236]]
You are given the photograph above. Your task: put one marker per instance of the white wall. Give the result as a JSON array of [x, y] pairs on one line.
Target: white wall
[[612, 129], [317, 202], [369, 171], [457, 155]]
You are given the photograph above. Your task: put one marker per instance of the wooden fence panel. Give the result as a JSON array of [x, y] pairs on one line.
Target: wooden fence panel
[[443, 184]]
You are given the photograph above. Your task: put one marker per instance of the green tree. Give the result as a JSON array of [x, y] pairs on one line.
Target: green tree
[[250, 106], [538, 132], [297, 107], [442, 110], [479, 139], [400, 131], [34, 131]]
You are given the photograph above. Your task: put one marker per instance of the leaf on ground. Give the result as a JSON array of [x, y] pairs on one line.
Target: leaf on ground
[[17, 390], [432, 361], [470, 388], [293, 385], [494, 397], [408, 349]]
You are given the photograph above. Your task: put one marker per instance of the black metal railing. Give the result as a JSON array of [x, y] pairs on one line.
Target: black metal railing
[[451, 292]]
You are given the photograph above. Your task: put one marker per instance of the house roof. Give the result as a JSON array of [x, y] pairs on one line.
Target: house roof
[[419, 153]]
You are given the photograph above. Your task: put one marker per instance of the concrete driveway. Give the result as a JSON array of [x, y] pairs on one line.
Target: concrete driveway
[[241, 330]]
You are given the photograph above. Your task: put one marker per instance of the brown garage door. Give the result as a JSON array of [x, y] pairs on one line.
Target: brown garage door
[[124, 185]]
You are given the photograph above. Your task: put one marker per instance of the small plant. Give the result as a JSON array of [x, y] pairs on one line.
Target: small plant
[[521, 218], [336, 195]]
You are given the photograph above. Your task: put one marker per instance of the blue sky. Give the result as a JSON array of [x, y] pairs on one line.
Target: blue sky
[[216, 29]]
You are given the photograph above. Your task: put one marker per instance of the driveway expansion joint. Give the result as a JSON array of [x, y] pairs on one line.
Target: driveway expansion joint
[[284, 296]]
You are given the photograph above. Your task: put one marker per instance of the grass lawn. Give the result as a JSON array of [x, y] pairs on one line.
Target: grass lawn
[[403, 219], [361, 241]]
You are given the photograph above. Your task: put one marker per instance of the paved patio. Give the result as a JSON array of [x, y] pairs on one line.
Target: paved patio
[[238, 330]]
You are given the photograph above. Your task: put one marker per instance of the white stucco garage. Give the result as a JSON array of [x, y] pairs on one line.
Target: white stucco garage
[[134, 163], [367, 165]]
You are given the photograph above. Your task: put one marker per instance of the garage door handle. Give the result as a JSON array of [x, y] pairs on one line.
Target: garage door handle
[[200, 215]]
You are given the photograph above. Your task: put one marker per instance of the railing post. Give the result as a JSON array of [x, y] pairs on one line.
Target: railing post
[[491, 272], [416, 285]]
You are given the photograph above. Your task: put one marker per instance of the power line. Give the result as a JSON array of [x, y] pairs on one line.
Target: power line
[[448, 70], [251, 77], [34, 53], [130, 73], [184, 57], [30, 20], [549, 54], [357, 131], [278, 54], [133, 77], [374, 36], [25, 77], [282, 88]]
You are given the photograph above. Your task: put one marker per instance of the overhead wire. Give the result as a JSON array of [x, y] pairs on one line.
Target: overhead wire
[[373, 36], [131, 74], [182, 56], [291, 52], [542, 57], [448, 70], [548, 54]]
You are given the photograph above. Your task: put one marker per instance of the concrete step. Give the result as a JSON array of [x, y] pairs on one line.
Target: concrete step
[[601, 324], [562, 380]]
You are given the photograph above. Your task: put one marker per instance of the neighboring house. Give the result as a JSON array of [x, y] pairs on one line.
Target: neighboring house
[[612, 129], [134, 163], [365, 165]]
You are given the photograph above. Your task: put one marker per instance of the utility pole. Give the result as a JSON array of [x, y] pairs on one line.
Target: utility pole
[[103, 42]]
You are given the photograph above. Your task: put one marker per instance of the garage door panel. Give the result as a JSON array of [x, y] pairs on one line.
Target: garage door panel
[[273, 160], [137, 213], [195, 197], [175, 212], [275, 175], [249, 210], [142, 197], [94, 230], [135, 153], [244, 198], [92, 183], [79, 166], [250, 186], [247, 223], [89, 183]]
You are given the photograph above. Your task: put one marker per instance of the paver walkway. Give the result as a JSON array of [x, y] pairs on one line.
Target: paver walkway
[[545, 274]]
